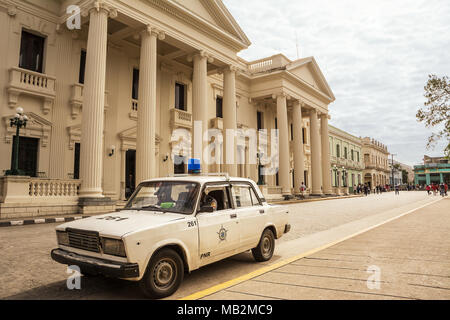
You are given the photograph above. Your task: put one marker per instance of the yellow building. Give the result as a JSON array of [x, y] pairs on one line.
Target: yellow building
[[106, 83], [376, 163]]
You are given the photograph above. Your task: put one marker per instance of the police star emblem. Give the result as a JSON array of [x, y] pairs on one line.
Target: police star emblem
[[222, 234]]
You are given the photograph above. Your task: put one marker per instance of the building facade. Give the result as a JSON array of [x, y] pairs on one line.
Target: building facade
[[434, 170], [376, 165], [347, 163], [105, 84]]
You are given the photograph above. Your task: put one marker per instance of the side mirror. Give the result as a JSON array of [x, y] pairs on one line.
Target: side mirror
[[207, 209]]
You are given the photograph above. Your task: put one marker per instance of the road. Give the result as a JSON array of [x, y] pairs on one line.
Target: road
[[27, 271]]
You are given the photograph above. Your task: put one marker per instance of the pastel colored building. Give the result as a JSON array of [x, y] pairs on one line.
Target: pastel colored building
[[433, 170], [376, 165], [347, 162]]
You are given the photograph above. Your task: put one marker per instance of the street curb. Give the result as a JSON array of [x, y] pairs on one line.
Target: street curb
[[15, 223], [286, 202]]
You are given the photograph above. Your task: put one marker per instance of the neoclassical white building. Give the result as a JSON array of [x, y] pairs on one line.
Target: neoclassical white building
[[104, 99]]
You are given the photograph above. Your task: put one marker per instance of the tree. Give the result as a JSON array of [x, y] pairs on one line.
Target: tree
[[404, 176], [436, 109]]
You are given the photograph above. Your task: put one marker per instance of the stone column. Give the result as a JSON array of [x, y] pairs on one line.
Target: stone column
[[316, 163], [200, 104], [299, 161], [229, 120], [326, 167], [283, 144], [146, 118], [91, 153], [428, 178]]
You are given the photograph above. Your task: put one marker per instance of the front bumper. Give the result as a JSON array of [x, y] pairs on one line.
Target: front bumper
[[95, 265]]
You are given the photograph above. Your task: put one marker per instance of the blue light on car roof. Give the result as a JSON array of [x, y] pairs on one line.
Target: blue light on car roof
[[194, 166]]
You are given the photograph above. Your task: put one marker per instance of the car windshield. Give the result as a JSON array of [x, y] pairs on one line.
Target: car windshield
[[165, 196]]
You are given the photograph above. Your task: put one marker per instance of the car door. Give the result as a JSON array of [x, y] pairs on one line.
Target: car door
[[218, 230], [250, 212]]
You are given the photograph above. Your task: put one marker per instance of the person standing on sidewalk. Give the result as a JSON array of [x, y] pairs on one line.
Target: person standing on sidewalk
[[397, 189], [302, 190]]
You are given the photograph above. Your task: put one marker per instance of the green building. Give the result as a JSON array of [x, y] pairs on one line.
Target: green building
[[347, 163], [433, 170]]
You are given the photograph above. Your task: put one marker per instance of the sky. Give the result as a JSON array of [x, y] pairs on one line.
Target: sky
[[375, 55]]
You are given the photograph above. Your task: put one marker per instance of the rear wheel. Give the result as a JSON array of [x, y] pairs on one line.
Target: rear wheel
[[164, 274], [266, 247]]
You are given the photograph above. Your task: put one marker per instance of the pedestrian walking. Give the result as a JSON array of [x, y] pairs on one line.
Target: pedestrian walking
[[428, 188], [302, 189], [397, 189]]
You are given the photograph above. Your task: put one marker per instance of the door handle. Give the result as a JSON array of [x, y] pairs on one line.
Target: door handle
[[233, 216], [261, 211]]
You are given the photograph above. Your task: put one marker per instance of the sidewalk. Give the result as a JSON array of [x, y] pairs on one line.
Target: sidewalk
[[407, 257]]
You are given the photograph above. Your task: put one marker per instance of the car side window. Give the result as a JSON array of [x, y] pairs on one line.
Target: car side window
[[217, 197], [241, 196], [255, 199]]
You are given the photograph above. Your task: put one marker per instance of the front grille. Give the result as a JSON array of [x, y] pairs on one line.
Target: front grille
[[85, 240]]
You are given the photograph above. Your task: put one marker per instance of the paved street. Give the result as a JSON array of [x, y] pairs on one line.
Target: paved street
[[27, 272]]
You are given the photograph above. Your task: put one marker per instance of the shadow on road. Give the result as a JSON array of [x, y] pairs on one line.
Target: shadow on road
[[99, 287]]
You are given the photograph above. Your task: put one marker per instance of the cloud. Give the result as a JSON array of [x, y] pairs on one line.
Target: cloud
[[376, 56]]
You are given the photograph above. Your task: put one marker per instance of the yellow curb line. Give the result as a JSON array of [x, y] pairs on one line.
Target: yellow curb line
[[256, 273]]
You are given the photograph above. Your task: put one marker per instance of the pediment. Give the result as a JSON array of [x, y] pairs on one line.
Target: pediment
[[211, 13], [308, 70], [37, 127], [131, 135]]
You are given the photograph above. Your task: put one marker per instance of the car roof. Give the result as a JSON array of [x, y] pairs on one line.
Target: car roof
[[199, 178]]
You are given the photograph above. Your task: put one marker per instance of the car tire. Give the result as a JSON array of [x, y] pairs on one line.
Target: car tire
[[164, 274], [266, 247]]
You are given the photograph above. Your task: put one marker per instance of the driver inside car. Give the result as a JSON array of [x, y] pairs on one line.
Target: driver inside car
[[209, 201]]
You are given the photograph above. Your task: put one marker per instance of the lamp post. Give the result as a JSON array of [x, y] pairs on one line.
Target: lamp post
[[260, 178], [19, 121], [336, 182]]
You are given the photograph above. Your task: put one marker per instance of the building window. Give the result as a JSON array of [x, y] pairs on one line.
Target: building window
[[353, 155], [259, 120], [135, 89], [276, 123], [219, 107], [82, 67], [31, 52], [28, 155], [179, 167], [180, 96], [76, 162], [304, 135], [345, 152], [357, 156], [338, 151]]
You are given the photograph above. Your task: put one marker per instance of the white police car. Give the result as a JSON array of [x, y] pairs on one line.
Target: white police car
[[171, 226]]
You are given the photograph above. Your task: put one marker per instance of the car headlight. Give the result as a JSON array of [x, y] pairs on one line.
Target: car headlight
[[113, 247], [62, 238]]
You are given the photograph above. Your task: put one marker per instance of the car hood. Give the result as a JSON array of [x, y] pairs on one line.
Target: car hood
[[118, 224]]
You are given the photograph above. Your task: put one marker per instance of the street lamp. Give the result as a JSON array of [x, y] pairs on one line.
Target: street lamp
[[19, 120]]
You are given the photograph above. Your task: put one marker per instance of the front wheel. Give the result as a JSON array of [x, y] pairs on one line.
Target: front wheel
[[266, 247], [164, 274]]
